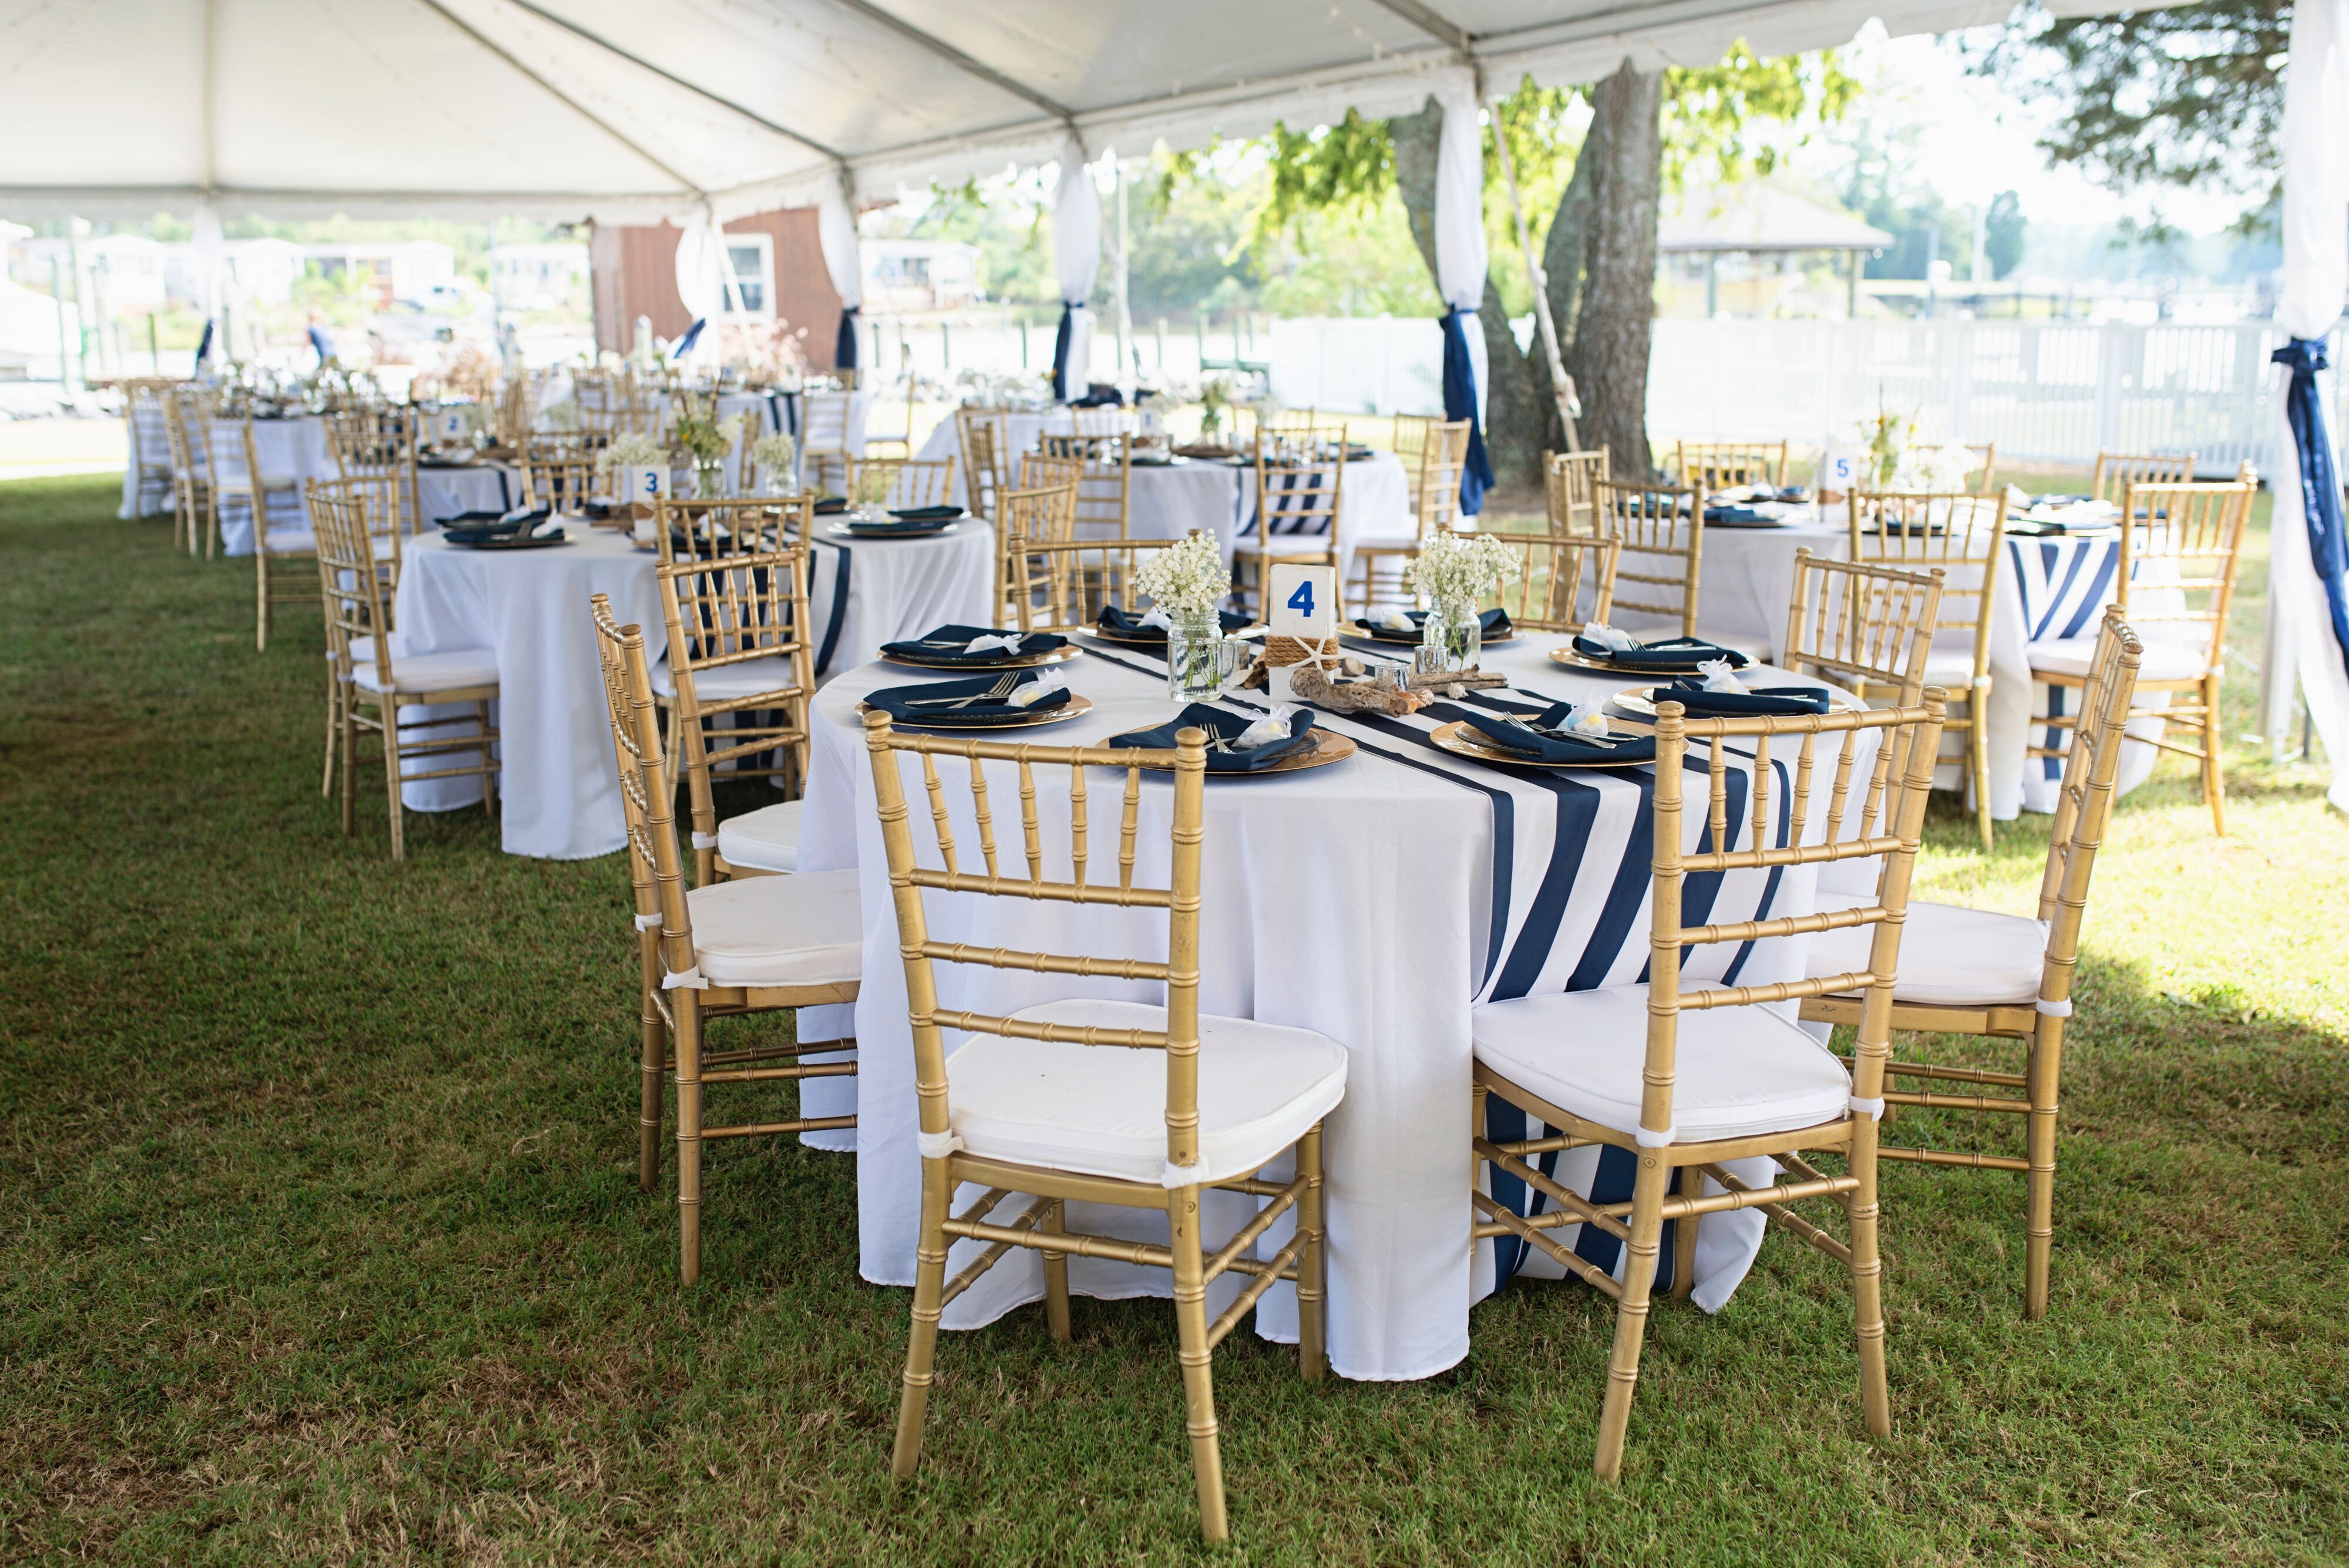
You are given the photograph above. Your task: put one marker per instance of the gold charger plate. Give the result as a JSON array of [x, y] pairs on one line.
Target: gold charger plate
[[1076, 706], [1025, 662], [1451, 738], [1397, 639], [1633, 699], [1160, 641], [1328, 746]]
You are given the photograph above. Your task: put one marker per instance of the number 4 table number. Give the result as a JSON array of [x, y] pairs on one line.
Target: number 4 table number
[[1303, 602]]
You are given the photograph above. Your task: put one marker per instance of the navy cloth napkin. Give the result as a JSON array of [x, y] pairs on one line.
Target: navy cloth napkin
[[1126, 624], [1495, 622], [1672, 653], [1226, 728], [1539, 739], [926, 514], [1777, 702], [945, 645], [932, 703]]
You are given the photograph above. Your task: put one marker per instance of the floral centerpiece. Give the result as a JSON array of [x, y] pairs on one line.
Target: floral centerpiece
[[1215, 401], [1189, 582], [777, 456], [707, 439], [561, 418], [1452, 572]]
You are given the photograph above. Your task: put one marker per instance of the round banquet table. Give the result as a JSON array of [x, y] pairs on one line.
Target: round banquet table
[[559, 797], [1374, 899]]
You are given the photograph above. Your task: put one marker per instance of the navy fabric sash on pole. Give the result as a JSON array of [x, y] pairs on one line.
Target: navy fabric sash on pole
[[692, 336], [2319, 483], [1061, 350], [844, 352], [1460, 403]]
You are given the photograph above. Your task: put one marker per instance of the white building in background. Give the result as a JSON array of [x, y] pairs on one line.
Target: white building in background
[[260, 272], [408, 271], [538, 277], [907, 276]]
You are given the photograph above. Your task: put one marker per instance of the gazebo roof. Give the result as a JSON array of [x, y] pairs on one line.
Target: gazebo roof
[[1760, 218]]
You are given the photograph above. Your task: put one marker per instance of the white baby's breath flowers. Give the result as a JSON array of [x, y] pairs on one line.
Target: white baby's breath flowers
[[1187, 578], [1456, 568], [775, 452], [633, 450]]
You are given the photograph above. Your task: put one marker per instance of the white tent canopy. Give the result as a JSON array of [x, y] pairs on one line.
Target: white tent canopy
[[633, 110]]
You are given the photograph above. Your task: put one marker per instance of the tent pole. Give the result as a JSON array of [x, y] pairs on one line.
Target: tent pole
[[1125, 379], [1561, 385]]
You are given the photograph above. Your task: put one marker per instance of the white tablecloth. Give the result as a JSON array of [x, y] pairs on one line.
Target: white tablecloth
[[560, 796], [443, 492], [1373, 900], [296, 446]]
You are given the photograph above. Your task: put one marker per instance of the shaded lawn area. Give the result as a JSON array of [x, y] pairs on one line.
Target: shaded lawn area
[[324, 1241]]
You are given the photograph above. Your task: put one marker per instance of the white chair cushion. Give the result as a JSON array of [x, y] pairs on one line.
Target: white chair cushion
[[1952, 669], [241, 483], [725, 683], [292, 542], [2074, 655], [448, 670], [1286, 543], [767, 839], [779, 930], [1951, 956], [1102, 1109], [1738, 1070]]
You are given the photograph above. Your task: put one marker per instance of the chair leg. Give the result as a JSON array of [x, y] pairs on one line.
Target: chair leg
[[1684, 1238], [2214, 777], [261, 608], [1056, 1278], [1632, 1312], [1978, 763], [922, 1340], [1313, 1264], [350, 743], [652, 1048], [1868, 1280], [688, 1140], [389, 708], [2046, 1073], [1198, 1385], [334, 732], [489, 784]]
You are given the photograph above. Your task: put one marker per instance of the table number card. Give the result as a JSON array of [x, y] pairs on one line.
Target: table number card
[[1302, 602]]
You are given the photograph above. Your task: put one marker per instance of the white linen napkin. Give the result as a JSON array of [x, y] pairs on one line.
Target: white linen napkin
[[1719, 677], [1607, 636], [1042, 687], [1155, 616]]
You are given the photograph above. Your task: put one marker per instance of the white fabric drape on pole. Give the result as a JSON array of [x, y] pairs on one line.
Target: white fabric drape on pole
[[1076, 257], [837, 232], [2316, 282], [1461, 258], [701, 280]]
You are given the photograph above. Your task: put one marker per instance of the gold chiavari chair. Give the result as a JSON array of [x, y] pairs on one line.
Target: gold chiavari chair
[[373, 508], [985, 435], [824, 457], [1100, 422], [2181, 545], [559, 474], [1041, 511], [1562, 582], [238, 484], [740, 671], [901, 441], [1662, 530], [376, 444], [1410, 442], [1986, 462], [2002, 977], [1964, 535], [899, 482], [1023, 1107], [757, 944], [2116, 470], [517, 411], [1569, 482], [144, 420], [1862, 627], [1064, 585], [1105, 482], [1722, 1077], [374, 688], [186, 412], [1720, 465], [1434, 507], [1300, 481]]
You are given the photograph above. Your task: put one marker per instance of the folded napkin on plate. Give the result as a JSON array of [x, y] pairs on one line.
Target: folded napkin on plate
[[1227, 749], [950, 703], [926, 513], [1545, 737], [1151, 624], [1495, 621], [885, 527], [831, 505], [1772, 701], [1672, 653], [513, 525], [1755, 513], [974, 645]]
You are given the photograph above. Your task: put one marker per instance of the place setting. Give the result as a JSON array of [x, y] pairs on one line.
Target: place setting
[[1563, 736], [1017, 699], [1408, 627], [849, 522], [519, 530], [979, 648], [1605, 648], [1245, 745], [1149, 627]]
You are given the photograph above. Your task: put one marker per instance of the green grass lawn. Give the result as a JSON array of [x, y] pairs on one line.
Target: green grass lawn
[[324, 1241]]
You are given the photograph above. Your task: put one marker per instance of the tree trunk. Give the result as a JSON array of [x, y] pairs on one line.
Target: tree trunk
[[1514, 398], [1608, 224]]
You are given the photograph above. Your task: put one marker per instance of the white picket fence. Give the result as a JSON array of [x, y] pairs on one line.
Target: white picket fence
[[2048, 392]]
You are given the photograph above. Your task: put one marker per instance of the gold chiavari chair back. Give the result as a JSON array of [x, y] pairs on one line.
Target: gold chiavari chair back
[[760, 945], [824, 457], [1963, 534], [1099, 422], [143, 421], [2116, 470], [1434, 507], [1059, 1057], [1105, 482], [1862, 626], [1560, 582], [897, 483], [1662, 530], [740, 670], [985, 435], [1718, 465], [1062, 586], [561, 472], [186, 410], [1042, 512], [1300, 481], [1985, 458], [1570, 481], [376, 442], [1722, 1077], [273, 502]]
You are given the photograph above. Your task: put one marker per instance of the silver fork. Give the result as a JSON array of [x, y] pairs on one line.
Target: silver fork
[[996, 693]]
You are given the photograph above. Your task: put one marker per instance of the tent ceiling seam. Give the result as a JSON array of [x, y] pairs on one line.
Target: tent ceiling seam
[[961, 61], [753, 116], [1433, 23], [573, 104]]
